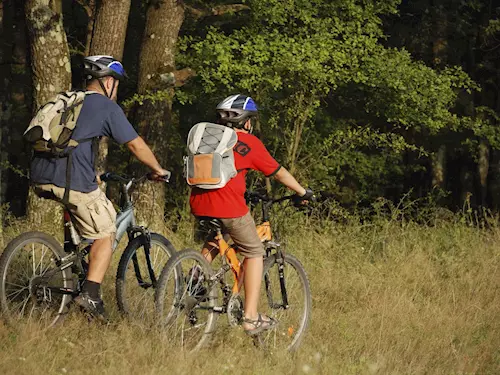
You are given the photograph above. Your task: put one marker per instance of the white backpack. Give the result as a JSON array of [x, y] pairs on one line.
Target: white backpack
[[210, 160]]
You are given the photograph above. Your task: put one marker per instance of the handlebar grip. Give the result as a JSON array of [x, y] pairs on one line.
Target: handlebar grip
[[164, 178], [108, 176], [105, 177]]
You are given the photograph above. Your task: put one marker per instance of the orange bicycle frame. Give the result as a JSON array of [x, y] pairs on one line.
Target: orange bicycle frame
[[227, 251]]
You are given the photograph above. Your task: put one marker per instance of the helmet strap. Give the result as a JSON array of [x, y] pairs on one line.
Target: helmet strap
[[108, 94], [249, 130]]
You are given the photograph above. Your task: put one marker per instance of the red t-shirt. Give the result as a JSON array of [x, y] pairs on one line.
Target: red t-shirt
[[229, 201]]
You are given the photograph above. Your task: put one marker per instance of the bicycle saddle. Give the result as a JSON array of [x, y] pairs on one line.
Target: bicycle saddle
[[210, 223]]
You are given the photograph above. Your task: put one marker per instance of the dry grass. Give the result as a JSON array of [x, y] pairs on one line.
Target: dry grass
[[388, 299]]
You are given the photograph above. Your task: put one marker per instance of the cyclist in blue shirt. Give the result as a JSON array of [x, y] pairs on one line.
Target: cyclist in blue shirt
[[94, 215]]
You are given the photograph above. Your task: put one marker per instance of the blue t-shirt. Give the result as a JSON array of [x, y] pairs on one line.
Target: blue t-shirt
[[99, 116]]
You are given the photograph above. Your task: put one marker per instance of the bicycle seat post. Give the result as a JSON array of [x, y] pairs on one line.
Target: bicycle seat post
[[71, 236]]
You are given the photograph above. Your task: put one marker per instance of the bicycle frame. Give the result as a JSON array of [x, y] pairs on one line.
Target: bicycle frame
[[228, 251], [265, 234], [77, 247]]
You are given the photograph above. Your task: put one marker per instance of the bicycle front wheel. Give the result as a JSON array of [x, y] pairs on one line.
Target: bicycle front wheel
[[185, 300], [137, 275], [32, 286], [286, 297]]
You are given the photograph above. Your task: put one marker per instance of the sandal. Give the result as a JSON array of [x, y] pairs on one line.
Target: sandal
[[260, 325]]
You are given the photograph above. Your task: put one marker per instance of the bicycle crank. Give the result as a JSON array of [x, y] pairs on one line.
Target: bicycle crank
[[235, 310]]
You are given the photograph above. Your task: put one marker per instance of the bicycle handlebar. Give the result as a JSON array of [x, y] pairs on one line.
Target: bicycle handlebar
[[255, 197], [109, 176]]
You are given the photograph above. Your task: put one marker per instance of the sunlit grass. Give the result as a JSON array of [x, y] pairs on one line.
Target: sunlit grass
[[388, 298]]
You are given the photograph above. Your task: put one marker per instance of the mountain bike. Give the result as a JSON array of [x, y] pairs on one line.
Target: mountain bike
[[191, 294], [39, 277]]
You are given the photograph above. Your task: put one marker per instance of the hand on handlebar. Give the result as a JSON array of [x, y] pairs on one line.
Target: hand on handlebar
[[304, 199], [161, 175]]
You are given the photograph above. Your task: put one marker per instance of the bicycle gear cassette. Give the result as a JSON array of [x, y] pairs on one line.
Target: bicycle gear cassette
[[235, 310]]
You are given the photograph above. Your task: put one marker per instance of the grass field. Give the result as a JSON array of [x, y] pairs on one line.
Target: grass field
[[388, 298]]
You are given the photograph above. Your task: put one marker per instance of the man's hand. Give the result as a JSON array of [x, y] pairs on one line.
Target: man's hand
[[300, 200], [160, 175]]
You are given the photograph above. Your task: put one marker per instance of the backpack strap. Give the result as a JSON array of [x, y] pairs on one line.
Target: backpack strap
[[222, 148], [197, 136], [65, 199]]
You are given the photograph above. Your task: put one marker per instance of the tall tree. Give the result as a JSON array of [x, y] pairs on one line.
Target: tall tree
[[2, 100], [439, 54], [51, 74], [16, 105], [107, 37], [154, 113]]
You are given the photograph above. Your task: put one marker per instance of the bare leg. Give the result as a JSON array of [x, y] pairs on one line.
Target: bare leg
[[253, 278], [210, 250], [99, 259]]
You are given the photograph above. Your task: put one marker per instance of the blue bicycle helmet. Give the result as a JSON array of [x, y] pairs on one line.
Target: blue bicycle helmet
[[235, 110], [103, 66]]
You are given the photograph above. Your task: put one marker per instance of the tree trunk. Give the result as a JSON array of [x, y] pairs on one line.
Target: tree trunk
[[439, 167], [439, 52], [483, 167], [51, 74], [163, 21], [108, 38], [15, 111], [3, 95]]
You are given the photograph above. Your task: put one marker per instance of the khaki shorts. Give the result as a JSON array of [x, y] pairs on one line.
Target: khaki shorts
[[93, 213], [244, 234]]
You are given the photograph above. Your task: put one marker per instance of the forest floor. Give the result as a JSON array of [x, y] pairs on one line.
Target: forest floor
[[389, 297]]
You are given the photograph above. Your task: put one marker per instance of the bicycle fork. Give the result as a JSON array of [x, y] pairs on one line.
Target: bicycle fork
[[280, 259], [146, 242]]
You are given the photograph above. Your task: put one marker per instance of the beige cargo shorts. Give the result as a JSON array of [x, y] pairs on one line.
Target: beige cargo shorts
[[244, 234], [93, 213]]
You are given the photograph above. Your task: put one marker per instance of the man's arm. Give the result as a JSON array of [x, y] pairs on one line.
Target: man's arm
[[289, 181], [144, 154]]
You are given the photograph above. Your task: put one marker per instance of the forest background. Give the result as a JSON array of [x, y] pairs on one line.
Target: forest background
[[366, 99], [391, 105]]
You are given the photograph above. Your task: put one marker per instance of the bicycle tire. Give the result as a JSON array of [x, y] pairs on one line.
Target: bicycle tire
[[6, 260], [173, 272], [283, 330], [127, 308]]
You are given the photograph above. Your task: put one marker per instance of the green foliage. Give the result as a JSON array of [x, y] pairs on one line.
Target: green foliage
[[152, 96], [303, 60]]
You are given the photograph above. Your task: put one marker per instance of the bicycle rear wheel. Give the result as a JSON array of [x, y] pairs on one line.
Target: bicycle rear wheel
[[286, 297], [31, 281], [185, 300], [135, 280]]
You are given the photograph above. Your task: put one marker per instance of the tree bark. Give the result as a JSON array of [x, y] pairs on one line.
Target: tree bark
[[51, 74], [15, 110], [438, 167], [157, 59], [110, 28], [2, 100], [439, 52], [108, 38], [483, 167]]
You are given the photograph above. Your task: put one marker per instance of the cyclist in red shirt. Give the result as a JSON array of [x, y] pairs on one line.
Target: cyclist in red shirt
[[228, 203]]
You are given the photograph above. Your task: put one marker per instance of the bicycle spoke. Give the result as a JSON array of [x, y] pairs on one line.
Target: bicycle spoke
[[135, 290], [31, 281], [184, 302], [41, 260], [16, 293], [292, 318], [33, 257]]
